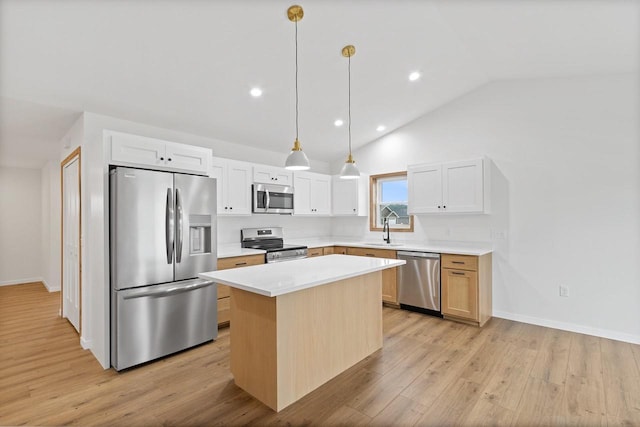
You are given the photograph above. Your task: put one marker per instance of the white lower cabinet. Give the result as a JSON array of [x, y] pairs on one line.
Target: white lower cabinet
[[234, 186], [312, 193], [452, 187]]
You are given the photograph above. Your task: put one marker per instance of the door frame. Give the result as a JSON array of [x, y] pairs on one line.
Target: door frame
[[75, 154]]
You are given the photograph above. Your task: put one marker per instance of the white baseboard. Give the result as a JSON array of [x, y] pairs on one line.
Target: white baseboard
[[21, 281], [85, 343], [571, 327], [49, 288]]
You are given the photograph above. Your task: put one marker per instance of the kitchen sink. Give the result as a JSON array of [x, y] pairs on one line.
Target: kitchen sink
[[383, 244]]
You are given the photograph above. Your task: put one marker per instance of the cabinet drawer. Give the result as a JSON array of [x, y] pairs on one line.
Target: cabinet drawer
[[377, 253], [223, 291], [315, 252], [240, 261], [340, 250], [224, 310], [460, 262]]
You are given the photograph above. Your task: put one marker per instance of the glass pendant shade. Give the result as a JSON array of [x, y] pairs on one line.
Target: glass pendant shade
[[297, 160], [349, 169]]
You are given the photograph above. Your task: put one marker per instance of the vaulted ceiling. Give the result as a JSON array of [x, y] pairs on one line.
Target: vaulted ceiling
[[189, 65]]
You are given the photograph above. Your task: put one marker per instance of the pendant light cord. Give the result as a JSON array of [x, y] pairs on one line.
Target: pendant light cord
[[296, 23], [349, 74]]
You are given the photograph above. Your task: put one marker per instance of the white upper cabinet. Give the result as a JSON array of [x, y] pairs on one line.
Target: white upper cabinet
[[234, 186], [350, 196], [312, 193], [452, 187], [135, 150], [272, 175]]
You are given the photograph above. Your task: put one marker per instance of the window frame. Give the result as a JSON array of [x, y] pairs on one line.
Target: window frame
[[373, 202]]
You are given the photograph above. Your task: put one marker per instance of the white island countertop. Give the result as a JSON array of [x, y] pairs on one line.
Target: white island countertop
[[285, 277]]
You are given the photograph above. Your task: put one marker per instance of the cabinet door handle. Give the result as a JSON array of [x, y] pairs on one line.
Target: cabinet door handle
[[241, 263], [369, 254], [457, 262], [457, 273]]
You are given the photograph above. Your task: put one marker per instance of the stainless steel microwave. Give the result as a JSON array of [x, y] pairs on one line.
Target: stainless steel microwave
[[272, 198]]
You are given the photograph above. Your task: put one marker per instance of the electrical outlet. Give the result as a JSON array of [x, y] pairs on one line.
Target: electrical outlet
[[564, 291], [498, 235]]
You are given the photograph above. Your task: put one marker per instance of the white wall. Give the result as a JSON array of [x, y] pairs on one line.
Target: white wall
[[20, 226], [293, 227], [569, 153], [50, 244]]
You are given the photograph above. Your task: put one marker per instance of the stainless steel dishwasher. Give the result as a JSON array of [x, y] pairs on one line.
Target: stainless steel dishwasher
[[419, 282]]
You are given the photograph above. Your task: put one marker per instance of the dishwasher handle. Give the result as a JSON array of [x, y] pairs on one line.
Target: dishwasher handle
[[429, 255]]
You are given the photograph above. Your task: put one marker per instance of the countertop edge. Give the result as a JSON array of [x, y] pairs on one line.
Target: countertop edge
[[307, 285]]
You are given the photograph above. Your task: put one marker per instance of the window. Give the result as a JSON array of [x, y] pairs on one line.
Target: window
[[389, 201]]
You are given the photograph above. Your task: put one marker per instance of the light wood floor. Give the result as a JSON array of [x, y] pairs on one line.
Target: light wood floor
[[430, 372]]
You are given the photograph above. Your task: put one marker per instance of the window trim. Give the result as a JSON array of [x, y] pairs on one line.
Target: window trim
[[373, 198]]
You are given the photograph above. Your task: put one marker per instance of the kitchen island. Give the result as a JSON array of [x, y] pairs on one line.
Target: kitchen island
[[297, 324]]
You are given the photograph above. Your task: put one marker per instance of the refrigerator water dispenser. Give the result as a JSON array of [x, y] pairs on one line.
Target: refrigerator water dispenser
[[199, 234]]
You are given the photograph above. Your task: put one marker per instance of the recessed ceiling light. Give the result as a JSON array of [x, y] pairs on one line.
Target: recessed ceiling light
[[414, 76], [338, 123], [256, 92], [381, 128]]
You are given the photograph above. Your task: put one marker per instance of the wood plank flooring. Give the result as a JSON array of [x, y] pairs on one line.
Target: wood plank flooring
[[429, 372]]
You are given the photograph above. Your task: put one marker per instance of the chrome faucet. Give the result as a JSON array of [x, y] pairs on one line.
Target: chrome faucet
[[385, 229]]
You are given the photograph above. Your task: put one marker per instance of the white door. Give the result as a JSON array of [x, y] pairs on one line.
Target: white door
[[425, 188], [344, 196], [321, 195], [239, 188], [462, 186], [71, 241]]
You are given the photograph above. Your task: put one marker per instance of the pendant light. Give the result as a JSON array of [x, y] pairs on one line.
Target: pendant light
[[349, 169], [296, 160]]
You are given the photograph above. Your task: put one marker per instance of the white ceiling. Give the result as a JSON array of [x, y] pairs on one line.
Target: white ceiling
[[189, 65]]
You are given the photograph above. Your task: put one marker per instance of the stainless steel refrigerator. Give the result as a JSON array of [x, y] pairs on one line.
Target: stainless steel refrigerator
[[162, 234]]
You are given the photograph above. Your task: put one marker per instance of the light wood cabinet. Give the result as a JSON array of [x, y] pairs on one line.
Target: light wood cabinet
[[452, 187], [272, 175], [233, 184], [341, 250], [311, 252], [313, 193], [224, 292], [389, 280], [135, 150], [467, 288]]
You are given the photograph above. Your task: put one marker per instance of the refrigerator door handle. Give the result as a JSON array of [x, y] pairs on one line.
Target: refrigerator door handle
[[169, 225], [167, 292], [179, 223]]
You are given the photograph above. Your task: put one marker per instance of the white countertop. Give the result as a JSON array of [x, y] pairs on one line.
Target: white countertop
[[233, 249], [457, 248], [229, 250], [285, 277]]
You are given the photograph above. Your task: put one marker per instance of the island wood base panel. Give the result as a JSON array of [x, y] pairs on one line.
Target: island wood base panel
[[287, 346]]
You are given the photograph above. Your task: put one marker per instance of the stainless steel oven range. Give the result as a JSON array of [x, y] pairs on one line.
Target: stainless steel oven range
[[271, 239]]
